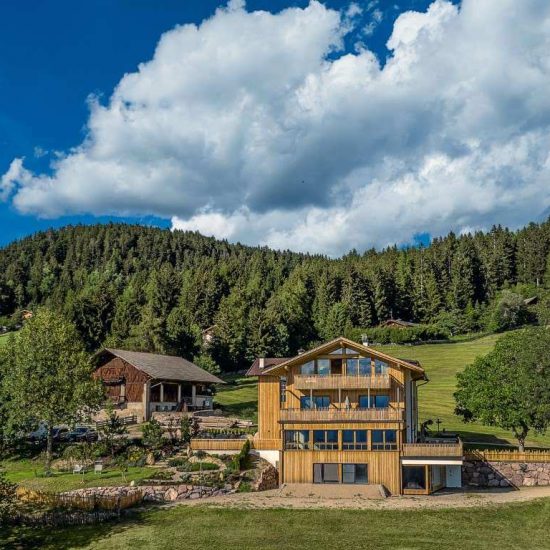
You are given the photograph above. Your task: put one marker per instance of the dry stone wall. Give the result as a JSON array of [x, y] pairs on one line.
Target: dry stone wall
[[505, 474]]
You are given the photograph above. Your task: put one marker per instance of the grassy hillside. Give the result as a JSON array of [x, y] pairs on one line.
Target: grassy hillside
[[441, 361], [201, 528]]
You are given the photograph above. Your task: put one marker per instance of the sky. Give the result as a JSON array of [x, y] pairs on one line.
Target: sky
[[311, 126]]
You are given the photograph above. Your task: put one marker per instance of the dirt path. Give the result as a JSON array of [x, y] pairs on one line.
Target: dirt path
[[467, 498]]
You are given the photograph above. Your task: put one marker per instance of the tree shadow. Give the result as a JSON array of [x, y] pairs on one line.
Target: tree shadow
[[74, 536]]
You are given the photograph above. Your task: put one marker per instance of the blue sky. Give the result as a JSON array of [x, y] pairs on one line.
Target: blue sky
[[54, 57]]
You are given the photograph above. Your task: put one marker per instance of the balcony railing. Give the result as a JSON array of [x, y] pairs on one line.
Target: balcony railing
[[340, 381], [432, 449], [341, 415]]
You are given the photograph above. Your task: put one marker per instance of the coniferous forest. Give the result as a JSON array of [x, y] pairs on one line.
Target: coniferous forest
[[151, 289]]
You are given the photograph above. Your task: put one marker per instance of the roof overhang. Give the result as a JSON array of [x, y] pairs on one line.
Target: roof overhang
[[342, 342]]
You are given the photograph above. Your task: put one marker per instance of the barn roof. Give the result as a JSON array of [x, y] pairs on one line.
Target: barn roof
[[168, 367]]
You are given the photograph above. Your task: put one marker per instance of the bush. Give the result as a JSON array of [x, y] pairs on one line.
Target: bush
[[7, 498], [173, 462], [152, 435], [161, 475], [508, 312], [239, 460], [136, 456]]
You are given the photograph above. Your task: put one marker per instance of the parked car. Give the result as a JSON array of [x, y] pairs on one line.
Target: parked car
[[81, 433], [40, 434]]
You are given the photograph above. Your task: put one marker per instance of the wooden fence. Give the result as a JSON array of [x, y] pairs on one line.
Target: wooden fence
[[217, 444], [126, 420], [86, 503], [489, 455]]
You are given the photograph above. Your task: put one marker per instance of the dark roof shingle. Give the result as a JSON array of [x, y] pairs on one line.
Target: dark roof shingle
[[255, 369], [165, 366]]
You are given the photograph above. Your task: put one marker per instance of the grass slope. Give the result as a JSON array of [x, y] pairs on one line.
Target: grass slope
[[29, 473], [204, 528]]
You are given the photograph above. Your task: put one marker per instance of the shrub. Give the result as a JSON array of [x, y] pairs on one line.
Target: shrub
[[239, 460], [162, 475], [136, 456], [152, 435], [508, 312], [173, 462], [7, 498]]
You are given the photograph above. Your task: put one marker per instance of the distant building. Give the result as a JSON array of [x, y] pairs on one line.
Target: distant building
[[208, 335], [398, 323]]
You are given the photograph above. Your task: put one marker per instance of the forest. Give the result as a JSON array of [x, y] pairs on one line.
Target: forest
[[151, 289]]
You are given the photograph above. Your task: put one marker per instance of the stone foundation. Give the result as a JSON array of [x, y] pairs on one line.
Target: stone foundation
[[505, 474]]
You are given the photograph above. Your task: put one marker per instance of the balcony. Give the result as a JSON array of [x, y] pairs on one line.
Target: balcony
[[341, 415], [433, 450], [340, 381]]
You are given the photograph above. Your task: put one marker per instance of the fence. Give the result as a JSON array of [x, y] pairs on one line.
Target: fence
[[432, 449], [217, 444], [86, 503], [507, 456], [126, 420]]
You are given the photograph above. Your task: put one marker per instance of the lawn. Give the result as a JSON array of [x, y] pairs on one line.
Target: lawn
[[441, 361], [30, 474], [239, 397], [515, 526]]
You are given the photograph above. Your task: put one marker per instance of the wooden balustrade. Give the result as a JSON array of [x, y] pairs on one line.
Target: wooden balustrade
[[432, 449], [341, 415], [340, 381]]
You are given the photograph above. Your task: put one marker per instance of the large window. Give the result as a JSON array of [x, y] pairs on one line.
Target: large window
[[354, 440], [380, 367], [361, 366], [384, 440], [308, 368], [325, 440], [376, 401], [296, 440], [323, 367], [355, 473], [315, 402], [414, 477], [325, 473]]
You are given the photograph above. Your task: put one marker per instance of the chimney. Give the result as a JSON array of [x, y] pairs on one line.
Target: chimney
[[301, 350], [262, 362], [365, 340]]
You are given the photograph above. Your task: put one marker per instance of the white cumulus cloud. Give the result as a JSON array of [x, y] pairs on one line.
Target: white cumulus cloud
[[257, 127]]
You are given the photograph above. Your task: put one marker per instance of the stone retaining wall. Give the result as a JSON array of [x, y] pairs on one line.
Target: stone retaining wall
[[505, 474], [156, 493]]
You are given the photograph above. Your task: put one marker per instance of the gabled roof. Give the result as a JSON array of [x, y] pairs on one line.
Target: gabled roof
[[345, 343], [167, 367], [256, 370], [399, 322]]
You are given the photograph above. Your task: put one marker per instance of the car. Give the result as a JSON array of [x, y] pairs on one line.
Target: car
[[41, 433], [81, 433]]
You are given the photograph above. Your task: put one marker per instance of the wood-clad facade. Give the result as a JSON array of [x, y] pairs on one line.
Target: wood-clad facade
[[345, 413]]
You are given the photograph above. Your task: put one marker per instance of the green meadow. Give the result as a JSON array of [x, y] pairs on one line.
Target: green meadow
[[514, 526]]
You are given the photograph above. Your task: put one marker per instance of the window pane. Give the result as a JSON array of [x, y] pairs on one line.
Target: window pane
[[414, 477], [361, 473], [347, 436], [308, 368], [364, 401], [282, 389], [323, 367], [391, 436], [317, 473], [352, 366], [331, 473], [338, 351], [305, 402], [364, 366], [319, 436], [381, 401], [377, 436], [322, 401], [348, 473], [361, 436], [380, 367], [332, 436]]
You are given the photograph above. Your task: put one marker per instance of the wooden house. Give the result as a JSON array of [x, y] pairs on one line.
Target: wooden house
[[398, 323], [143, 383], [345, 413]]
